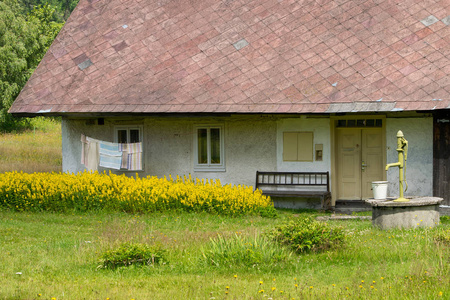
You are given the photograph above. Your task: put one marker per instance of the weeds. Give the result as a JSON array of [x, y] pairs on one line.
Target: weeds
[[307, 234], [129, 254], [237, 250]]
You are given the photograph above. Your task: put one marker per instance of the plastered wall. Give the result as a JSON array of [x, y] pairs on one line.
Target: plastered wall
[[419, 166], [250, 145], [321, 131]]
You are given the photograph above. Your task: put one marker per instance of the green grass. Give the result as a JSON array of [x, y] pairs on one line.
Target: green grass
[[37, 150], [49, 255], [58, 256]]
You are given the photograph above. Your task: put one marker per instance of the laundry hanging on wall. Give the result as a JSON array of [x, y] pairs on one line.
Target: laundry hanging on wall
[[110, 156], [131, 156], [89, 153], [117, 156]]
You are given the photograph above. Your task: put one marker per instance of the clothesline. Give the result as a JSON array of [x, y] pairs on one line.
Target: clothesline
[[95, 153]]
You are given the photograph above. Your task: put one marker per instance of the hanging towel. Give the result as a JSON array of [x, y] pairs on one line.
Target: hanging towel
[[134, 161], [110, 156], [109, 148], [83, 149], [91, 154], [111, 162], [124, 149], [132, 156], [135, 148]]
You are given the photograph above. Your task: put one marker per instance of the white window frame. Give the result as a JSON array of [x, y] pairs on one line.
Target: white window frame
[[128, 128], [141, 140], [209, 167]]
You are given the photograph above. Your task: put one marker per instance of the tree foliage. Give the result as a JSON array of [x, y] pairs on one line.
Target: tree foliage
[[23, 42], [63, 8]]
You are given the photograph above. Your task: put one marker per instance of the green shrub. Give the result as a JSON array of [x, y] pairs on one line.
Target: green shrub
[[307, 234], [268, 211], [132, 254], [237, 250]]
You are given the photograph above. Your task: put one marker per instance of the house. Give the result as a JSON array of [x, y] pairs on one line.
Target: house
[[222, 89]]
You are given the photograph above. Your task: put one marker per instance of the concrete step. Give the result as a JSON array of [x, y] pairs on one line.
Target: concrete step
[[350, 206]]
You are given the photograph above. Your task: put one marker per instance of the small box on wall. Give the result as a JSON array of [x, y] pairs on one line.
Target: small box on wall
[[319, 152]]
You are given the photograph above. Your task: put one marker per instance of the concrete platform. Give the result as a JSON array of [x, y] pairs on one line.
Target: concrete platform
[[341, 217], [350, 206], [418, 212]]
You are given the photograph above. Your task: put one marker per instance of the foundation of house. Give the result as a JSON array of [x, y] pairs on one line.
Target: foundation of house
[[418, 212]]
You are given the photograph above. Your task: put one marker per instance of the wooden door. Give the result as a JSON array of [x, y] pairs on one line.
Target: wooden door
[[441, 157], [371, 160], [349, 163], [359, 162]]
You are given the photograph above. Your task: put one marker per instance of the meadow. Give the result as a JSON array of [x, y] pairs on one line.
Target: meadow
[[37, 150], [57, 254]]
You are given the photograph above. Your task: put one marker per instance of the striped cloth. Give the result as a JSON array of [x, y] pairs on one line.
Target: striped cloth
[[132, 156], [110, 155], [124, 149]]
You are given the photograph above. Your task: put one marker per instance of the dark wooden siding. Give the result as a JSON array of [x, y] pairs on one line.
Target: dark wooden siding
[[441, 157]]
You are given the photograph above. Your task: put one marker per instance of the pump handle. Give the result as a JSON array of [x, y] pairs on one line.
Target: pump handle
[[405, 147]]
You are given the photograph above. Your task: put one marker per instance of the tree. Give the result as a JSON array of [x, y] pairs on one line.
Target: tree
[[63, 8], [23, 43]]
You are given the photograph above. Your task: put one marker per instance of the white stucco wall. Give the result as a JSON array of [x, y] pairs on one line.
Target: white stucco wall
[[419, 165], [250, 145]]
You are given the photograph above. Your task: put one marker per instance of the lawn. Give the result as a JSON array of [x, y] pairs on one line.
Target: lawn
[[49, 255]]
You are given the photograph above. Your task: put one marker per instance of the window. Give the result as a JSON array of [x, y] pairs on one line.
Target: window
[[360, 123], [208, 148], [128, 134], [132, 156], [297, 146]]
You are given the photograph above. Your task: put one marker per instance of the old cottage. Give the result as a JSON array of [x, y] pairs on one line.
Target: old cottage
[[222, 89]]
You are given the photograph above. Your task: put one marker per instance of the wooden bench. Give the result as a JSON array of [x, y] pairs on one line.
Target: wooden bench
[[296, 184]]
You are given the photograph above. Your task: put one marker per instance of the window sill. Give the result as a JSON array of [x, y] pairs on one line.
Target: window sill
[[209, 169]]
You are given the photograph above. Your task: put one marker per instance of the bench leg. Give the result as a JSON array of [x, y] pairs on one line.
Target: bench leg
[[326, 202]]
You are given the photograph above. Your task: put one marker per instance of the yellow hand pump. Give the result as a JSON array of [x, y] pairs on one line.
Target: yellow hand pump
[[402, 149]]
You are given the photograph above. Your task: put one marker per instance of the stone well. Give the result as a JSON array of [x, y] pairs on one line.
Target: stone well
[[418, 212]]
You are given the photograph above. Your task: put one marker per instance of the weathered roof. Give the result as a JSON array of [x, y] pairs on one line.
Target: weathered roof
[[245, 56]]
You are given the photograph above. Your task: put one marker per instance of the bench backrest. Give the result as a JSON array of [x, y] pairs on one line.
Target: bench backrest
[[292, 179]]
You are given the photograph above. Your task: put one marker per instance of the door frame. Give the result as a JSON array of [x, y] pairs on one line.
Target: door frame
[[333, 144]]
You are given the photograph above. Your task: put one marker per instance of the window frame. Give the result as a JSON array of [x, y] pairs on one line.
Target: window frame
[[128, 128], [209, 167]]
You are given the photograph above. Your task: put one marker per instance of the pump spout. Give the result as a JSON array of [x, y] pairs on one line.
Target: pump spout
[[397, 164]]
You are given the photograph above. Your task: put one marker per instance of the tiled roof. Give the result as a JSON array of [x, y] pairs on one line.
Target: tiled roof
[[245, 56]]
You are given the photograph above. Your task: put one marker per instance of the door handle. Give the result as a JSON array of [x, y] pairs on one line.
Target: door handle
[[363, 166]]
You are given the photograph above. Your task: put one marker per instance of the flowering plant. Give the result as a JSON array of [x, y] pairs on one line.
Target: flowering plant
[[61, 192]]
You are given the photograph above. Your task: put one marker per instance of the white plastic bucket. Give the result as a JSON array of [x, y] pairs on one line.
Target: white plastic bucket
[[380, 189]]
